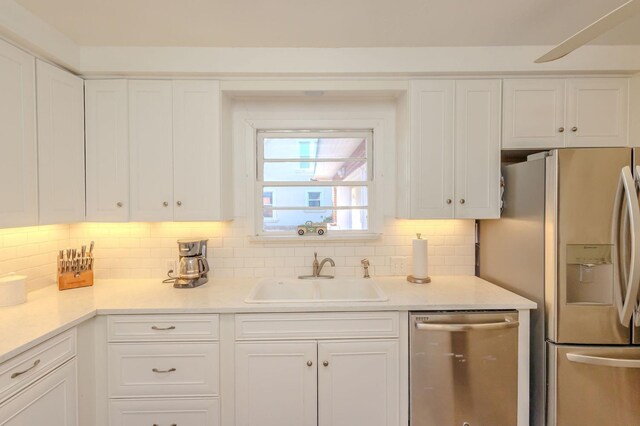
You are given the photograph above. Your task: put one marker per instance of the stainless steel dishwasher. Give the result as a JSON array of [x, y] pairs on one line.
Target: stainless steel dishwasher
[[464, 368]]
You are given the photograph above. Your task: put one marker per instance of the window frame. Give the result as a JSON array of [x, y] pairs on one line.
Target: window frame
[[260, 184]]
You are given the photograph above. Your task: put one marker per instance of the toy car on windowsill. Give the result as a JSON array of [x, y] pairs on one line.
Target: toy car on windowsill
[[309, 227]]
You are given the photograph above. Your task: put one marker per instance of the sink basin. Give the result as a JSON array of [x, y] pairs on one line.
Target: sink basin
[[293, 290]]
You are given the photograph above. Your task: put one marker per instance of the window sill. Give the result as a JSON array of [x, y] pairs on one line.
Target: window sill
[[313, 238]]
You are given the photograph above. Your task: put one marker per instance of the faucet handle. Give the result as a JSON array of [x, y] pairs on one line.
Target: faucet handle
[[365, 262], [315, 255]]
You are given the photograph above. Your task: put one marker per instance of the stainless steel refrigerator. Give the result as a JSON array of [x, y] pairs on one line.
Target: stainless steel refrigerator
[[569, 239]]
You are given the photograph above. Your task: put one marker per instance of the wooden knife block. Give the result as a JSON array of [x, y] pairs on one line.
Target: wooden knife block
[[69, 280]]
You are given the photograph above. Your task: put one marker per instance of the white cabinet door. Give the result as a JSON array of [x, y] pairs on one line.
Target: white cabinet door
[[597, 112], [151, 146], [431, 149], [60, 145], [534, 113], [51, 401], [107, 130], [19, 158], [196, 150], [477, 149], [358, 383], [276, 384]]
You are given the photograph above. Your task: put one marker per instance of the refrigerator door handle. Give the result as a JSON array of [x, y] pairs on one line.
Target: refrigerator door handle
[[627, 302], [604, 361]]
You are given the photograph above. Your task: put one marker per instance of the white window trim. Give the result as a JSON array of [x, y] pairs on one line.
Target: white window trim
[[376, 213]]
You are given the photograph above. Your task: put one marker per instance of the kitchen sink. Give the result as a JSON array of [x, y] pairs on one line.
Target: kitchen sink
[[294, 290]]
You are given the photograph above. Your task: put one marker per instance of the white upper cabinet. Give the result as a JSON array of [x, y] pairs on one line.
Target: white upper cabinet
[[477, 149], [60, 106], [430, 153], [107, 145], [533, 113], [151, 145], [597, 112], [454, 150], [19, 159], [557, 113], [196, 150]]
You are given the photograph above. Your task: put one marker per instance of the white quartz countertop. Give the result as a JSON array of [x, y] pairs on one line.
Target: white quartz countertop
[[48, 311]]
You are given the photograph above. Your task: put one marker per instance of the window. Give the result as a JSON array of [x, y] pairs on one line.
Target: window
[[321, 176]]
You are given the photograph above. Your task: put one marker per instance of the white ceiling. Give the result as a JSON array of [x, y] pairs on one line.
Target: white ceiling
[[327, 23]]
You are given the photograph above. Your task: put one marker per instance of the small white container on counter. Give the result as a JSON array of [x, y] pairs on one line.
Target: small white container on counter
[[13, 289]]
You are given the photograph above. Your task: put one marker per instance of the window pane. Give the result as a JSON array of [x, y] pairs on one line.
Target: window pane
[[347, 171], [325, 196], [287, 221], [294, 148]]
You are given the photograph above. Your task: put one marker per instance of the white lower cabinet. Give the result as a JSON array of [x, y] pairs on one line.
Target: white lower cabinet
[[322, 380], [50, 401], [276, 384], [163, 370], [160, 412], [358, 383]]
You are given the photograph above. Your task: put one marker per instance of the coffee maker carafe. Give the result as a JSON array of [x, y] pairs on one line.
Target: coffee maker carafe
[[193, 266]]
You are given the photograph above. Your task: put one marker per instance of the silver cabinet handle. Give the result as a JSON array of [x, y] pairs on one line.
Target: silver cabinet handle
[[309, 363], [179, 203], [604, 361], [172, 424], [325, 363], [561, 129], [165, 204], [574, 129], [435, 326], [171, 327], [119, 204], [171, 370], [462, 201], [20, 373], [448, 200]]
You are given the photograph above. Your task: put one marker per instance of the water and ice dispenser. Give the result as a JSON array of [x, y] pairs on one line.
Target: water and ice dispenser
[[590, 274]]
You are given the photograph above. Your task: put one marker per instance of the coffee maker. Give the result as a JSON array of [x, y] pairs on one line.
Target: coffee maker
[[193, 266]]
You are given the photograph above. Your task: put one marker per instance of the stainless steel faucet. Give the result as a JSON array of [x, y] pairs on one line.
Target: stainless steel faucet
[[365, 265], [317, 268]]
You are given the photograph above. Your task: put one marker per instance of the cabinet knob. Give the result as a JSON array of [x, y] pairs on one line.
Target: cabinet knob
[[325, 363], [448, 200], [574, 129], [561, 129], [165, 204], [179, 203], [119, 204], [462, 201], [309, 363]]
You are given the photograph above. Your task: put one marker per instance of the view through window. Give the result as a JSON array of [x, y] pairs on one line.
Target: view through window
[[321, 177]]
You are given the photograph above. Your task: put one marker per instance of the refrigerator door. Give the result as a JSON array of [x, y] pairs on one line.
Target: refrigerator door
[[581, 262], [626, 231], [593, 385]]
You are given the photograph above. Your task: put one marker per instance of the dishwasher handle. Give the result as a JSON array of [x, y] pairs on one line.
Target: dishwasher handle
[[435, 326]]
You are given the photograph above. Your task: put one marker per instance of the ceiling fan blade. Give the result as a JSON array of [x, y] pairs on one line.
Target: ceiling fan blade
[[594, 30]]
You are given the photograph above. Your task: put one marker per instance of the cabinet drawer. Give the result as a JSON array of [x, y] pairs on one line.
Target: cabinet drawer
[[322, 325], [127, 328], [35, 362], [163, 369], [182, 412]]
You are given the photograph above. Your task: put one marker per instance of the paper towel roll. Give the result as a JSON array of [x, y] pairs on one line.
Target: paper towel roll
[[420, 258], [13, 289]]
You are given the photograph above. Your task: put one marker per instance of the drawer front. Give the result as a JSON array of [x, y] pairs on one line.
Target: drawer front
[[323, 325], [167, 412], [163, 369], [35, 362], [162, 328]]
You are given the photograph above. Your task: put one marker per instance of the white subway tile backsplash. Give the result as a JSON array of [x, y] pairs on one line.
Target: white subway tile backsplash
[[144, 250]]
